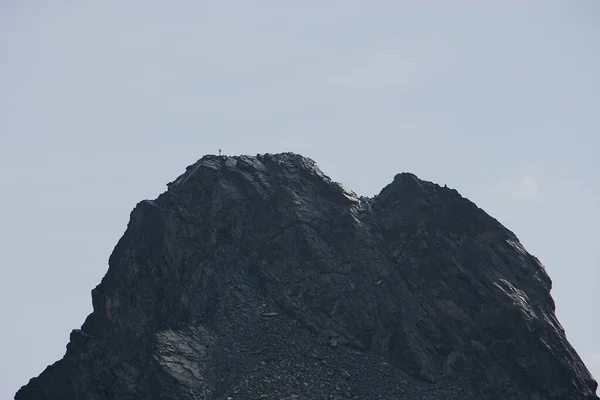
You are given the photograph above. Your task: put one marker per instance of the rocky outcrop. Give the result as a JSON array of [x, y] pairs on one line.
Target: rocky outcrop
[[260, 278]]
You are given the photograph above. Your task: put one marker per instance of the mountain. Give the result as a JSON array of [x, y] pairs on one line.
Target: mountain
[[260, 278]]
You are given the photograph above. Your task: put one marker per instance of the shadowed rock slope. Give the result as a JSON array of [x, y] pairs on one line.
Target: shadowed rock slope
[[260, 278]]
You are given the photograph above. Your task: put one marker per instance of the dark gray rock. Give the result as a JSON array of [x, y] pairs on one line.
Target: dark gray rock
[[260, 278]]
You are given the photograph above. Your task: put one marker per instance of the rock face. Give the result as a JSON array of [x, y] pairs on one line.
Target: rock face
[[260, 278]]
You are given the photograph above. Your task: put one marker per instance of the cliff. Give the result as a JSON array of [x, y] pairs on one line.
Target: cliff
[[260, 278]]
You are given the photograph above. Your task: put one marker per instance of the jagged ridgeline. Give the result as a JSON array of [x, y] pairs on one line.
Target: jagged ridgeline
[[260, 278]]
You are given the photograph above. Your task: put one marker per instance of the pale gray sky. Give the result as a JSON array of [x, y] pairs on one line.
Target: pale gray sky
[[103, 103]]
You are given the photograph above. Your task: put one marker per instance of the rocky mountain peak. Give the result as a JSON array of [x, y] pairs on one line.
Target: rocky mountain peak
[[260, 277]]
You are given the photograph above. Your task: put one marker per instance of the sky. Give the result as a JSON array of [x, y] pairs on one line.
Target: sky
[[103, 103]]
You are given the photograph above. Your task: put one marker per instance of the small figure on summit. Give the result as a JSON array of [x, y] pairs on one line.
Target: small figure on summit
[[219, 152]]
